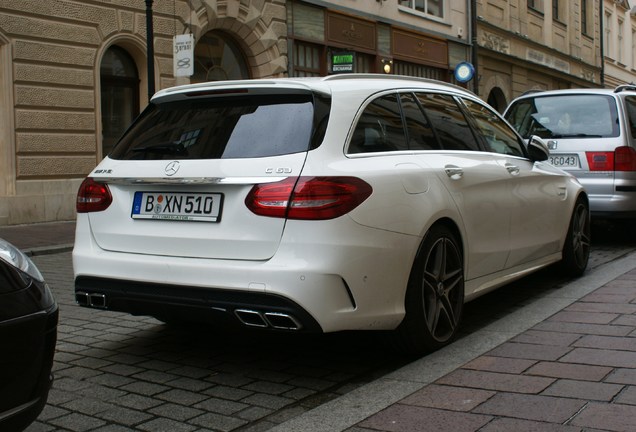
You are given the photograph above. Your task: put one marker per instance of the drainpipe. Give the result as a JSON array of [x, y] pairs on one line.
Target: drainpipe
[[473, 44], [151, 49], [601, 15]]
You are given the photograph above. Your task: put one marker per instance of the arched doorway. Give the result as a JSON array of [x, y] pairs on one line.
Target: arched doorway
[[119, 81], [217, 58], [497, 99]]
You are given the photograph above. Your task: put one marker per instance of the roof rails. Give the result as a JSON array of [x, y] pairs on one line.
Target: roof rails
[[531, 91], [345, 76], [620, 88]]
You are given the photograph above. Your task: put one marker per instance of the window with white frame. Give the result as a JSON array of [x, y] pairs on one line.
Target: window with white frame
[[433, 8], [633, 48], [607, 41], [619, 46]]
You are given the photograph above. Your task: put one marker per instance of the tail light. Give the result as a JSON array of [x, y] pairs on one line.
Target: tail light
[[625, 159], [308, 198], [622, 159], [93, 196]]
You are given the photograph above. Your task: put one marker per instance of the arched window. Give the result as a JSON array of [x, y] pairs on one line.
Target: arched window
[[119, 94], [218, 58], [497, 99]]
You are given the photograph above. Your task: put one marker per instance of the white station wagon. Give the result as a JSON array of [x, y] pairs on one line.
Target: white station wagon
[[348, 202]]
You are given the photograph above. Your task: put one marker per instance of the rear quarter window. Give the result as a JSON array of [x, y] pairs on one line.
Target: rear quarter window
[[630, 108], [225, 128]]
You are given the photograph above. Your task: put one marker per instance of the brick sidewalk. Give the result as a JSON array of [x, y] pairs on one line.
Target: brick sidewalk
[[576, 371]]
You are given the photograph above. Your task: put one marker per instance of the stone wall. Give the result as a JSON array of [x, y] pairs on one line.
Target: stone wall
[[50, 54]]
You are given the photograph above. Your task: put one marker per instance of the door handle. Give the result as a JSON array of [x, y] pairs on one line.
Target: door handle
[[454, 172], [513, 169]]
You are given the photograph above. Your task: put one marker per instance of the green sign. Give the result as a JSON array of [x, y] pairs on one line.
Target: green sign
[[342, 62]]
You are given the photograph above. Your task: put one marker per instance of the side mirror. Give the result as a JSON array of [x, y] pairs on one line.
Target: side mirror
[[538, 149]]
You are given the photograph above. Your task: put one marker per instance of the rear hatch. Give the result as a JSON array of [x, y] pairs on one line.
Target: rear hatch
[[180, 175], [582, 132]]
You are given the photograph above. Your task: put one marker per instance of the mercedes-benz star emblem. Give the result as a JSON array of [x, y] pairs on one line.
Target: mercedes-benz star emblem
[[172, 168]]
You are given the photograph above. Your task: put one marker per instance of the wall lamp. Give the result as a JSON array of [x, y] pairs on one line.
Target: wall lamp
[[387, 66]]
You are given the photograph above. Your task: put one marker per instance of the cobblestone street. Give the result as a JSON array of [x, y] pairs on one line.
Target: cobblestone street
[[119, 372]]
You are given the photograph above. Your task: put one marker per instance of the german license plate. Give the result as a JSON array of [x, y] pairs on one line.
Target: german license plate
[[182, 206], [565, 160]]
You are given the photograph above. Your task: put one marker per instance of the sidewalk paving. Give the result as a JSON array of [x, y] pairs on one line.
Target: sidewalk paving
[[42, 237], [565, 362]]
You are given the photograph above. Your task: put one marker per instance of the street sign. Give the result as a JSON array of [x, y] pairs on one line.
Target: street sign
[[183, 63]]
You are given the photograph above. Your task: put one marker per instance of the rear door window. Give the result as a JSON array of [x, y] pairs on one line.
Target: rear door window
[[565, 116], [418, 127], [448, 121], [247, 126], [497, 135]]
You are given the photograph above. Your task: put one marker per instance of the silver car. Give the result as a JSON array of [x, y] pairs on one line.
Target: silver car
[[590, 133]]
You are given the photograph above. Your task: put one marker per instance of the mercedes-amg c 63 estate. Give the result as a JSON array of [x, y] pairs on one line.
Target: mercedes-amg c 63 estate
[[348, 202]]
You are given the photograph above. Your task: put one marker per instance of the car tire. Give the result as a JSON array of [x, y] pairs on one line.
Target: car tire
[[576, 250], [435, 294]]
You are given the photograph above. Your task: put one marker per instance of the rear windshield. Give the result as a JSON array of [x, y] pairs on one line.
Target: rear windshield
[[226, 127], [580, 116]]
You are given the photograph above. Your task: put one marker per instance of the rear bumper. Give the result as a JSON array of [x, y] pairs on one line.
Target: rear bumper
[[186, 303], [352, 279]]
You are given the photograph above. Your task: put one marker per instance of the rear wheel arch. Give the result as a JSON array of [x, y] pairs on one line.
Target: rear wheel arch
[[435, 295]]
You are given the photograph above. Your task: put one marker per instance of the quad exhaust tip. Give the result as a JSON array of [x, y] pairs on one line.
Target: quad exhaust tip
[[95, 300], [249, 318], [276, 320]]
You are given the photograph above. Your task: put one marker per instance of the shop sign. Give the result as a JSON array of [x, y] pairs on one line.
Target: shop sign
[[183, 63], [342, 62], [350, 33], [421, 49]]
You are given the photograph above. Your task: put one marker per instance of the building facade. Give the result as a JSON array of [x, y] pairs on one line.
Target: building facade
[[74, 73], [619, 43], [407, 37], [536, 45]]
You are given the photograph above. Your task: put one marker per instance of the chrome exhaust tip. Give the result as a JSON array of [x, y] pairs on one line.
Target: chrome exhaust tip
[[250, 318], [90, 300], [97, 301], [81, 298], [282, 321]]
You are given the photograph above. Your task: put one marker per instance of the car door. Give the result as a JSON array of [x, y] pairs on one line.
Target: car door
[[537, 193], [473, 178]]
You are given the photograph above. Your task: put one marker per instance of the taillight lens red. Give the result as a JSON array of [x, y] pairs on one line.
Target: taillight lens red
[[625, 159], [622, 159], [308, 198], [93, 196]]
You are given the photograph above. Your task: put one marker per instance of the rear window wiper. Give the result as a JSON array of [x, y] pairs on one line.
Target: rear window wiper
[[576, 135], [174, 147]]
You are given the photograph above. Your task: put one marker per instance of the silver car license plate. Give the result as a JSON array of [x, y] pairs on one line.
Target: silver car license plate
[[565, 160]]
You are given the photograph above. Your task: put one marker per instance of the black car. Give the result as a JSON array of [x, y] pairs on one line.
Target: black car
[[28, 332]]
